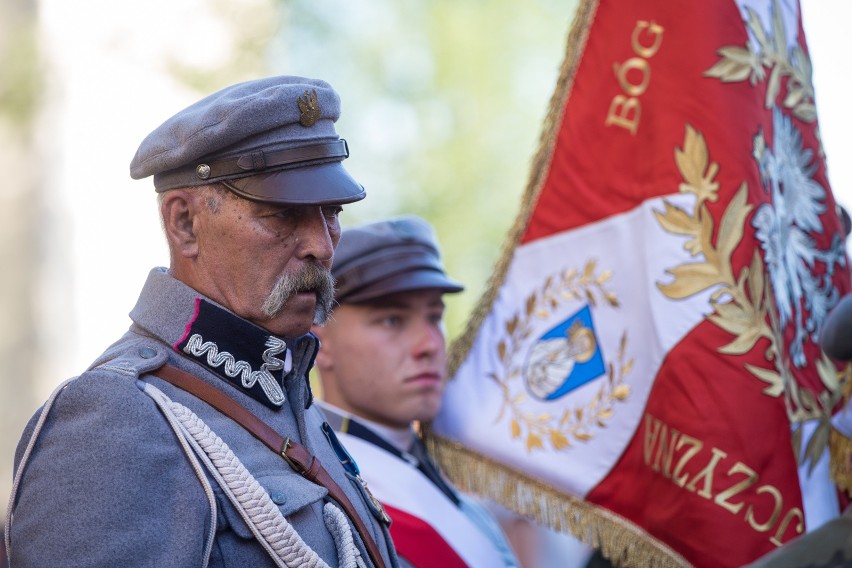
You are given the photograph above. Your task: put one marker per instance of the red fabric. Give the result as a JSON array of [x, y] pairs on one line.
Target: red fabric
[[599, 170], [695, 396], [419, 543]]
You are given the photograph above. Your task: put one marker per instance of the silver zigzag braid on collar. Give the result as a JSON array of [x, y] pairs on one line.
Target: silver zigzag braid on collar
[[234, 368]]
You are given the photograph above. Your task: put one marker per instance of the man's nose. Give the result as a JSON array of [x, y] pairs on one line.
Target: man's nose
[[315, 238], [430, 339]]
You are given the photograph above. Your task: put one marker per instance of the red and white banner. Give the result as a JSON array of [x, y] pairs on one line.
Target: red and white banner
[[644, 371]]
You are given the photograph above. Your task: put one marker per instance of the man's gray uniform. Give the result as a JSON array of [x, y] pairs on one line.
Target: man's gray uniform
[[135, 493]]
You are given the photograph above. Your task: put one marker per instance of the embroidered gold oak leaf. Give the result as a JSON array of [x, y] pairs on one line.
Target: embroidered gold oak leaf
[[771, 378], [692, 161], [745, 316], [512, 325], [501, 350], [558, 440], [588, 272], [516, 429], [755, 26], [531, 301], [828, 373], [779, 46], [755, 289], [690, 279], [621, 392], [817, 444], [737, 63], [738, 321], [676, 220], [534, 441], [799, 92], [731, 230]]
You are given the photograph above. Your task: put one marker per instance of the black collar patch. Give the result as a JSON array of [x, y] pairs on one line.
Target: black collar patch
[[238, 351]]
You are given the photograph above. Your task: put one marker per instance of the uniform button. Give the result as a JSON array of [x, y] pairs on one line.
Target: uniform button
[[278, 498], [147, 353]]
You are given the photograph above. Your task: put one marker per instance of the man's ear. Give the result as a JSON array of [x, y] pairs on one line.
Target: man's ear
[[179, 209], [323, 361]]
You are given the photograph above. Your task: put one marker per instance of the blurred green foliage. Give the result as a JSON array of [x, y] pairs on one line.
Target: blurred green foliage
[[443, 103], [20, 76]]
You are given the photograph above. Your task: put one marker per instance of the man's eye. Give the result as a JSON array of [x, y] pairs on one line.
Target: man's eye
[[436, 319], [285, 213], [392, 321], [332, 211]]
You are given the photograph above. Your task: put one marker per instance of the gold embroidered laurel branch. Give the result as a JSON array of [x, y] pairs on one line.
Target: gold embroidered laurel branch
[[741, 301], [740, 63], [770, 52], [575, 423]]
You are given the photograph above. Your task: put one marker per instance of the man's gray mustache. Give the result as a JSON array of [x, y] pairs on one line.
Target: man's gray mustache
[[311, 278]]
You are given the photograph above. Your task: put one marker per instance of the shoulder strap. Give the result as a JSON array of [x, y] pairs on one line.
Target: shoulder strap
[[294, 453]]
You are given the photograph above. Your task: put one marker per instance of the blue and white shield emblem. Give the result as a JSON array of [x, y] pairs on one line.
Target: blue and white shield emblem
[[564, 358]]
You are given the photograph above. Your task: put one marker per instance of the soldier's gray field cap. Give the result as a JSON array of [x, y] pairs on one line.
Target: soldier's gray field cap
[[386, 257], [271, 139]]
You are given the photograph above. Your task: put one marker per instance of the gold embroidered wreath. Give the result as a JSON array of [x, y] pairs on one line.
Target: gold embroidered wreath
[[577, 423]]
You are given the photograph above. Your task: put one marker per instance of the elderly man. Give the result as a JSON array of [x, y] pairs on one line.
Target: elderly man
[[192, 441], [382, 365]]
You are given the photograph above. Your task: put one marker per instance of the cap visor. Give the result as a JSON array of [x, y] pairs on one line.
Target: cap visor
[[407, 282], [322, 184]]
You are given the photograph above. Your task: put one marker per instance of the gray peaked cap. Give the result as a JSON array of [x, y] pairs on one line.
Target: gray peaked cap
[[386, 257], [270, 139]]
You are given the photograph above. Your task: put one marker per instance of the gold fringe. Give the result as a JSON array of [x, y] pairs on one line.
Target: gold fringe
[[619, 540], [840, 448], [845, 379], [540, 166]]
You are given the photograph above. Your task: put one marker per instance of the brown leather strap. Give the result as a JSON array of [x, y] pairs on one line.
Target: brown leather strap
[[297, 455], [257, 162]]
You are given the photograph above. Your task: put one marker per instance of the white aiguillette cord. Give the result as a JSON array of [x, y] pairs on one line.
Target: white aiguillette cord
[[294, 453]]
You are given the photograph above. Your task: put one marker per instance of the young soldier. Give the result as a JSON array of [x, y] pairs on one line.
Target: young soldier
[[382, 365]]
